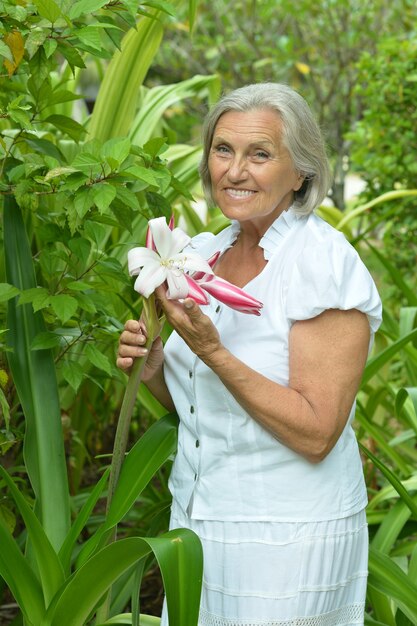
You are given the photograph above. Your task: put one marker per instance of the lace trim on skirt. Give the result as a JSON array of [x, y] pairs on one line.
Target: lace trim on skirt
[[344, 616]]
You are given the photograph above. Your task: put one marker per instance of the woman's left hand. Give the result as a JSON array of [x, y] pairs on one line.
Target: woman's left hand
[[195, 328]]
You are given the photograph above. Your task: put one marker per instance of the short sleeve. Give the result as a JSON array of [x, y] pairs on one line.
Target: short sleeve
[[331, 275]]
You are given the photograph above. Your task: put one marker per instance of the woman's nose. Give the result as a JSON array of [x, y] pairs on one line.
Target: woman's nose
[[237, 169]]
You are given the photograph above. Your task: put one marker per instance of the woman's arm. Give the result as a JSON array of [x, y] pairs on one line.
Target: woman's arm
[[327, 357], [131, 346]]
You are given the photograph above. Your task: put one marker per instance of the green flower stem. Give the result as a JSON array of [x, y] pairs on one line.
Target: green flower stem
[[153, 325]]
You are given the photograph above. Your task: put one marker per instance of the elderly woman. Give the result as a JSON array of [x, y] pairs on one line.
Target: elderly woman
[[268, 472]]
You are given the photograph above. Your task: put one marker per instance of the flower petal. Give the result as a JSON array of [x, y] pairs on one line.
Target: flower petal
[[177, 285], [192, 262], [150, 277], [138, 257], [161, 235], [195, 292], [179, 240], [231, 295]]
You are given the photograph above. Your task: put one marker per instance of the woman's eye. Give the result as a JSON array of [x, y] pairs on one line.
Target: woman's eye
[[261, 154], [222, 149]]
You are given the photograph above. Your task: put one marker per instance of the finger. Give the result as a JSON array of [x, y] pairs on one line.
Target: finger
[[132, 326], [132, 339], [124, 363]]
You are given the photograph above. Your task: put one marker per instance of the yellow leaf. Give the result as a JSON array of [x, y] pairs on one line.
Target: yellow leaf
[[3, 378], [17, 47], [303, 68]]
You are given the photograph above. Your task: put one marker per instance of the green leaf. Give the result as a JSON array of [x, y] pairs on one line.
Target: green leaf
[[67, 125], [5, 51], [7, 291], [45, 147], [50, 45], [35, 379], [20, 579], [98, 359], [85, 7], [115, 106], [116, 148], [64, 306], [179, 555], [377, 362], [128, 197], [48, 9], [141, 463], [142, 173], [104, 194], [73, 374], [50, 568], [388, 578], [46, 341], [81, 520], [395, 482]]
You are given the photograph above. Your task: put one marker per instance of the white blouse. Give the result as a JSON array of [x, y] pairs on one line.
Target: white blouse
[[228, 467]]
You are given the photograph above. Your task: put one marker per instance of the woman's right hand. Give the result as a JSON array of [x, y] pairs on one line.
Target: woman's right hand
[[132, 345]]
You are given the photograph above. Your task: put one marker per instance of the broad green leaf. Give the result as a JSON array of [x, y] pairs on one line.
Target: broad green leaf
[[388, 578], [104, 194], [141, 463], [46, 340], [20, 578], [179, 555], [90, 35], [67, 125], [7, 291], [142, 173], [5, 51], [49, 566], [34, 376], [117, 149], [73, 374], [64, 306], [115, 105], [50, 45], [85, 7], [98, 359], [49, 9]]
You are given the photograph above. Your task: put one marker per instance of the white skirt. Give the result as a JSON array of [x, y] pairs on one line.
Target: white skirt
[[280, 573]]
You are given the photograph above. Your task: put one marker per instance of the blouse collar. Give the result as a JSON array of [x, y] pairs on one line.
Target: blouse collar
[[274, 235]]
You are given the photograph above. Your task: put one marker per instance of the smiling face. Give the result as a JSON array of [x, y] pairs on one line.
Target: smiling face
[[252, 174]]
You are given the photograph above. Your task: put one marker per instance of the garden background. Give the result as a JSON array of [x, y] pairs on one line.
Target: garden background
[[100, 110]]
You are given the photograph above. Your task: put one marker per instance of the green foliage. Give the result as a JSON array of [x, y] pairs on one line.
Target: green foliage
[[77, 192]]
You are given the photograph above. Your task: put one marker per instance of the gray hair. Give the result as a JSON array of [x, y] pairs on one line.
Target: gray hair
[[301, 137]]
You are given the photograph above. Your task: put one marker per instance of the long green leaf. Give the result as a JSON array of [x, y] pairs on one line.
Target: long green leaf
[[145, 458], [396, 275], [20, 579], [395, 482], [50, 568], [179, 555], [35, 379], [80, 521], [377, 362], [389, 195], [390, 528], [139, 466], [116, 101], [126, 618], [388, 578], [158, 99]]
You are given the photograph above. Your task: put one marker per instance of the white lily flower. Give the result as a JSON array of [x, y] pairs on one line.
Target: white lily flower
[[164, 261]]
